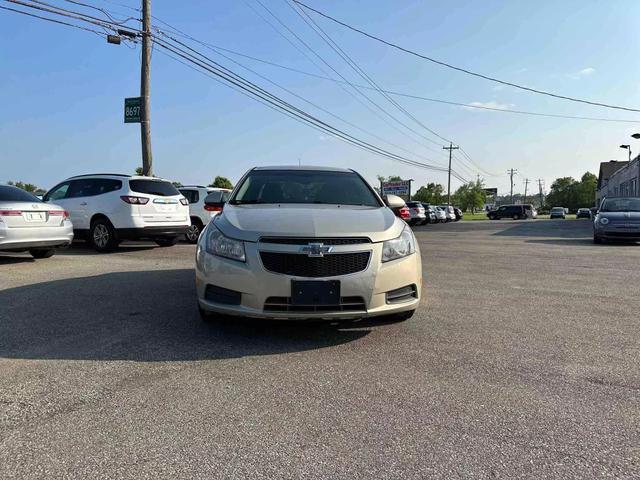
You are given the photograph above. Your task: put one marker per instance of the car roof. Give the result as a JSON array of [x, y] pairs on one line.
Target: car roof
[[117, 176], [305, 168]]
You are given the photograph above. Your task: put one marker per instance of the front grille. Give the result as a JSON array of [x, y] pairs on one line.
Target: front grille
[[301, 265], [324, 241], [283, 304]]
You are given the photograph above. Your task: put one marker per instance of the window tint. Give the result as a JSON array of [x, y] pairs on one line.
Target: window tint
[[58, 192], [305, 186], [153, 187], [90, 187], [621, 205], [217, 196], [192, 195], [15, 194]]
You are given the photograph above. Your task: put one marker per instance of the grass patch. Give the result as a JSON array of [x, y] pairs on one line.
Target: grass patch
[[474, 216]]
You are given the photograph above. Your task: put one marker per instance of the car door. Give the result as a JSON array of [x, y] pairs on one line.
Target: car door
[[77, 202], [502, 212]]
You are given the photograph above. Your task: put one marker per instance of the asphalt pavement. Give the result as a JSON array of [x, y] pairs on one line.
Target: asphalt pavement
[[523, 361]]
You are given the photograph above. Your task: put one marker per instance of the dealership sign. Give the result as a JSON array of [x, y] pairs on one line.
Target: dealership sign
[[400, 188]]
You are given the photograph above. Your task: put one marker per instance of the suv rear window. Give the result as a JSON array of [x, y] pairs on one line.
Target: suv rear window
[[153, 187], [414, 204], [192, 195], [15, 194]]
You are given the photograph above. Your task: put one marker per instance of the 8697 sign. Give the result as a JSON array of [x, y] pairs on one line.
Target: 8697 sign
[[132, 109]]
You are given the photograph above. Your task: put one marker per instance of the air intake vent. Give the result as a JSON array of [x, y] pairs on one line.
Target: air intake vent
[[301, 265]]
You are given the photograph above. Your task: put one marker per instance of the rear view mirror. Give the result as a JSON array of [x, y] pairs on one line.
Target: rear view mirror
[[393, 201]]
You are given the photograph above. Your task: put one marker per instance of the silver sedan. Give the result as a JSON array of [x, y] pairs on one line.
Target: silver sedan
[[28, 224]]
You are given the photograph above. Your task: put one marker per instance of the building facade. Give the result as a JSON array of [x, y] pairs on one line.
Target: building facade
[[618, 179]]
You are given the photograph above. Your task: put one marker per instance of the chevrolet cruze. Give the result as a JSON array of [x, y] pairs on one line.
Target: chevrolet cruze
[[307, 243]]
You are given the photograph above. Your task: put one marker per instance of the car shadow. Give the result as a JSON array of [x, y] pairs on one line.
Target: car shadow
[[8, 259], [84, 248], [558, 229], [144, 316]]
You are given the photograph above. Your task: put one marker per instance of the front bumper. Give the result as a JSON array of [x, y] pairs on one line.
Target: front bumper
[[151, 232], [618, 232], [256, 285], [21, 239]]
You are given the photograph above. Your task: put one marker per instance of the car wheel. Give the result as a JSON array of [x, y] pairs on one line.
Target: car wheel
[[597, 239], [102, 235], [167, 241], [193, 232], [42, 252], [516, 217]]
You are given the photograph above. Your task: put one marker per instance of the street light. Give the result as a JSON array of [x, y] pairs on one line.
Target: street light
[[627, 147]]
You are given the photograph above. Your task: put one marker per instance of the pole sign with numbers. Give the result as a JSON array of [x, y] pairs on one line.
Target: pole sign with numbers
[[132, 109]]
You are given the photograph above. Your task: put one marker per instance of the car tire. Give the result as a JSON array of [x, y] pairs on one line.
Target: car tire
[[166, 241], [597, 239], [193, 232], [42, 252], [516, 217], [102, 236]]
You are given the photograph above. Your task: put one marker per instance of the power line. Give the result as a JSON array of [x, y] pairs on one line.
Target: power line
[[419, 97], [460, 69], [230, 77], [347, 82], [102, 34]]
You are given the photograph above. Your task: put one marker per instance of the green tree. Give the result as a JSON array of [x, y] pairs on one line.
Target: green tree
[[221, 182], [27, 187], [432, 193], [587, 190], [177, 184], [567, 192], [392, 178], [139, 171], [470, 196]]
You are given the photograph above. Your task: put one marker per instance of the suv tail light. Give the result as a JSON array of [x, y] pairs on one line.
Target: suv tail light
[[59, 213], [184, 201], [10, 213], [212, 208], [134, 200], [404, 213]]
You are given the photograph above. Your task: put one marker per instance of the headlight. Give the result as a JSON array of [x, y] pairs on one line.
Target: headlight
[[217, 244], [604, 220], [399, 247]]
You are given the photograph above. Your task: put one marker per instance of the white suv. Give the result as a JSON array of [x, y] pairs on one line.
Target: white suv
[[200, 213], [106, 209]]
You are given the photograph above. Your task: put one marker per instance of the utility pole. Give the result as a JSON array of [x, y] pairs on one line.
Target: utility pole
[[511, 173], [526, 185], [451, 148], [541, 195], [145, 80]]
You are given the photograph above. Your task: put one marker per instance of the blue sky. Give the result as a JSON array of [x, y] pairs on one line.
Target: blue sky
[[62, 90]]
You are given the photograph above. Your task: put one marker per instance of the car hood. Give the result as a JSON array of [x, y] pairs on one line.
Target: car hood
[[250, 222], [633, 217]]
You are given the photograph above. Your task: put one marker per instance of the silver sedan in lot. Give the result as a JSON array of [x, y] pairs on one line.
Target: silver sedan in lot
[[28, 224], [308, 243]]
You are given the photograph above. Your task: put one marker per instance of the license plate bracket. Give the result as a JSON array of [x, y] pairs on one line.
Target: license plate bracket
[[315, 292]]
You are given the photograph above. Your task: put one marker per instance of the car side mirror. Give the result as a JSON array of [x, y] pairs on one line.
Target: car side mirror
[[393, 201], [213, 202]]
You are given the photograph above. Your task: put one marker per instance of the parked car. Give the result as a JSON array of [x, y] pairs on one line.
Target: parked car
[[557, 212], [200, 216], [441, 215], [449, 212], [583, 213], [417, 212], [618, 218], [29, 225], [398, 207], [516, 212], [459, 214], [106, 209], [430, 213], [307, 243]]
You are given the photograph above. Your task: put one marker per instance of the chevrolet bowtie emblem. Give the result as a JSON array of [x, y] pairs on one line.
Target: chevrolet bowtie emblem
[[315, 249]]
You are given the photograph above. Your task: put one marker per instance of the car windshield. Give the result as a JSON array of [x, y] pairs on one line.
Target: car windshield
[[15, 194], [557, 209], [621, 205], [304, 186], [154, 187]]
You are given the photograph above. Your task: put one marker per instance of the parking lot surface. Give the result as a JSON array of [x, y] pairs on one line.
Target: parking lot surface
[[522, 362]]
